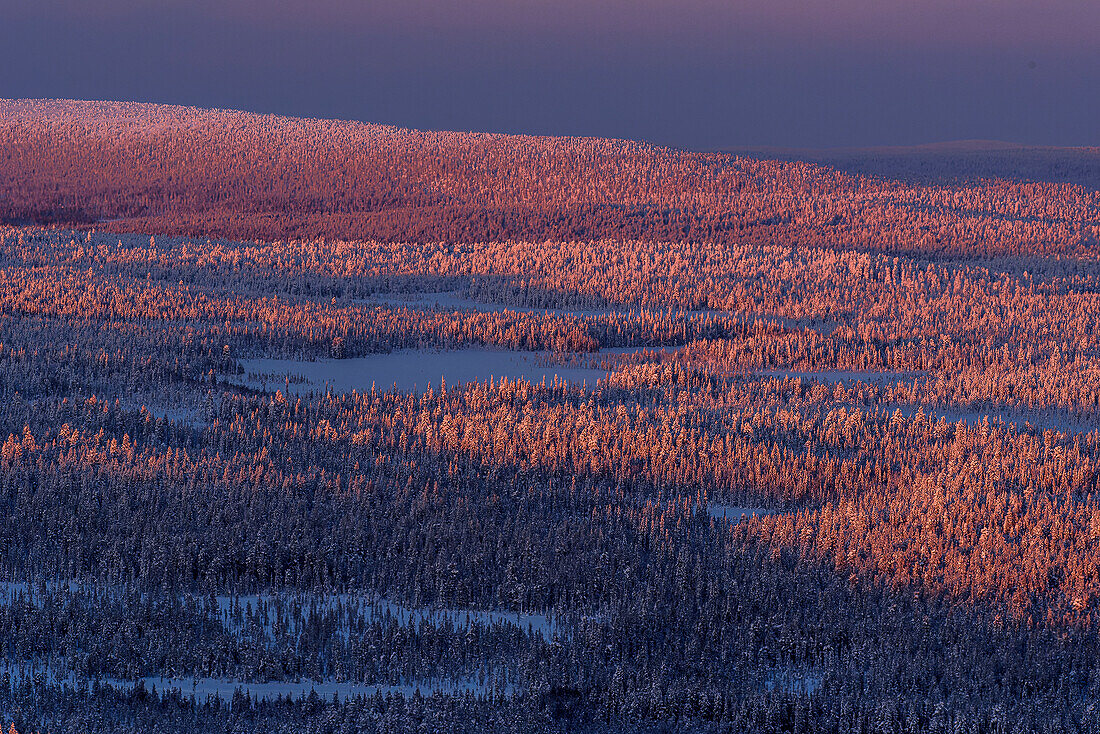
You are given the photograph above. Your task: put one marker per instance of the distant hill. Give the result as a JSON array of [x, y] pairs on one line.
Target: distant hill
[[956, 162], [158, 168]]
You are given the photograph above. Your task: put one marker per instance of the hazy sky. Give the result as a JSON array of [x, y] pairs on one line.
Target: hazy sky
[[694, 73]]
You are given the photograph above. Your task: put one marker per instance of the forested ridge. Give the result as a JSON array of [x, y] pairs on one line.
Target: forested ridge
[[836, 469], [160, 168]]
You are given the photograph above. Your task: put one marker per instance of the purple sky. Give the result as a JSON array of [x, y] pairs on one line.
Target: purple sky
[[694, 73]]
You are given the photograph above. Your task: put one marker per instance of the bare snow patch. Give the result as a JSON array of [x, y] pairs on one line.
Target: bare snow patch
[[736, 514], [408, 370], [878, 377]]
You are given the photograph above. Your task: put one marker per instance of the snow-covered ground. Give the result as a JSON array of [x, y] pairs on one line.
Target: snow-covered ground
[[455, 300], [834, 376], [327, 689], [443, 300], [373, 608], [225, 688], [1041, 419], [10, 591], [794, 681], [735, 514], [233, 610], [238, 614], [407, 370]]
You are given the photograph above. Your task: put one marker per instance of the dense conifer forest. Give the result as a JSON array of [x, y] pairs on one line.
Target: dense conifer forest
[[834, 465]]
